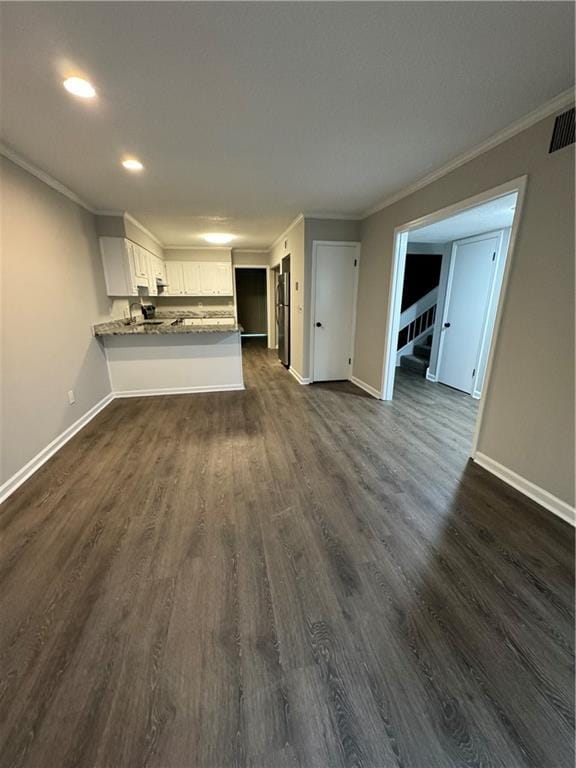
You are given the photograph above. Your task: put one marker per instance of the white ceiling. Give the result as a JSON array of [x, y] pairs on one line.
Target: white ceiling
[[253, 112], [493, 215]]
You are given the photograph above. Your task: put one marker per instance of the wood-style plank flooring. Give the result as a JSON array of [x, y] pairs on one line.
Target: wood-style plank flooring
[[286, 576]]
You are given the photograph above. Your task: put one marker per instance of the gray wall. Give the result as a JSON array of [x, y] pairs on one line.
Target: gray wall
[[252, 258], [120, 226], [299, 246], [529, 402], [52, 292]]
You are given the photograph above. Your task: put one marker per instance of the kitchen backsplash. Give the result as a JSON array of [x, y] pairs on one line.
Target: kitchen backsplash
[[119, 307]]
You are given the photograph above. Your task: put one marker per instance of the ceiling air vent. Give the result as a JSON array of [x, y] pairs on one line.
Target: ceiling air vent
[[563, 134]]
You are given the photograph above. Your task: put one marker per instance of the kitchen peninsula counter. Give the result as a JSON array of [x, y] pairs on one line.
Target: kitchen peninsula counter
[[170, 356]]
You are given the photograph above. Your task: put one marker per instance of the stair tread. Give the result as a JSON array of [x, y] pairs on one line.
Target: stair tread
[[413, 358], [423, 350], [414, 363]]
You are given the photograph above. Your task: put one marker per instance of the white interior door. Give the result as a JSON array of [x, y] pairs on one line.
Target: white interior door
[[472, 270], [335, 284]]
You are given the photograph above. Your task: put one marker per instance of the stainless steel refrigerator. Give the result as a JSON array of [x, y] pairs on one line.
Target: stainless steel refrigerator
[[283, 317]]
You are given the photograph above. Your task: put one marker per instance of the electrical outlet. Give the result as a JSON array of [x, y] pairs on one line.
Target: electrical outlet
[[71, 396]]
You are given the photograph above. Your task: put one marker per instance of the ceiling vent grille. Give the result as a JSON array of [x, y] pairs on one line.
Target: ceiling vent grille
[[563, 134]]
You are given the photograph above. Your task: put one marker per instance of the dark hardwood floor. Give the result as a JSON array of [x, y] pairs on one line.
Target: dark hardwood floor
[[286, 576]]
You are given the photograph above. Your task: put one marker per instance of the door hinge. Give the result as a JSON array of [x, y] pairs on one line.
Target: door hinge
[[474, 372], [355, 262]]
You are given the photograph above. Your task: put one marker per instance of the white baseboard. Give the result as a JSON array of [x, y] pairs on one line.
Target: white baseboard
[[366, 387], [534, 492], [299, 379], [431, 376], [8, 488], [14, 482], [177, 391]]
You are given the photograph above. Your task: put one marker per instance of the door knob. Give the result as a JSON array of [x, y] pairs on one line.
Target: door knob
[[318, 325], [446, 325]]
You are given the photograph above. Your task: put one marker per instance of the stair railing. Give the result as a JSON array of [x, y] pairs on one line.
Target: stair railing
[[416, 322]]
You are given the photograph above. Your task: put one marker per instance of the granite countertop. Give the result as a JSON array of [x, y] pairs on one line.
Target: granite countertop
[[174, 314], [166, 326]]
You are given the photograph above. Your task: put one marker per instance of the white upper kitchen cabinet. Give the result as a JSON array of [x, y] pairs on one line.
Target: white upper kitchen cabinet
[[141, 260], [125, 270], [174, 278], [216, 279], [198, 278], [224, 285], [157, 275], [158, 269], [192, 285]]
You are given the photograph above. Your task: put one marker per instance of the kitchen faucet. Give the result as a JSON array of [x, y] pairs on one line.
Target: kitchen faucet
[[137, 304]]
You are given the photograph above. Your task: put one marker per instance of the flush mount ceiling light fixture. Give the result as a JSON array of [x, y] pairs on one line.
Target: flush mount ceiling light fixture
[[132, 164], [218, 238], [79, 87]]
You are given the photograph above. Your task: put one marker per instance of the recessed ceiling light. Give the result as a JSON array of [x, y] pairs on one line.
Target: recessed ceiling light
[[218, 238], [79, 87], [131, 164]]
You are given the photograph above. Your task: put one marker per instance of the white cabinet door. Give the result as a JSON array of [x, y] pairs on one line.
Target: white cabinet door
[[191, 271], [208, 278], [215, 279], [140, 260], [224, 280], [117, 260], [174, 278], [159, 268]]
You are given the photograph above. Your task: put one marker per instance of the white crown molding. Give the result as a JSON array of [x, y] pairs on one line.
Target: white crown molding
[[291, 226], [32, 169], [564, 99], [142, 228], [250, 250], [197, 248], [336, 216]]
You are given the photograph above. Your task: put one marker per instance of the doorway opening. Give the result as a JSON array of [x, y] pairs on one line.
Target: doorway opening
[[447, 290], [252, 286]]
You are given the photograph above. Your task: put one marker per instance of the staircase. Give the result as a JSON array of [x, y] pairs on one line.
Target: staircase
[[419, 360], [415, 334]]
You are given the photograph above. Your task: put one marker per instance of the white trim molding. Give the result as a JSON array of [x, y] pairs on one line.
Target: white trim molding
[[118, 395], [25, 472], [517, 185], [430, 376], [8, 488], [366, 387], [564, 99], [335, 216], [539, 495], [250, 250], [142, 228], [300, 379], [291, 226], [32, 169]]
